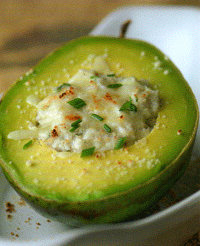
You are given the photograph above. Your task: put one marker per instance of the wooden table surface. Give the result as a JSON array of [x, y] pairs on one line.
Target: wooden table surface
[[31, 29]]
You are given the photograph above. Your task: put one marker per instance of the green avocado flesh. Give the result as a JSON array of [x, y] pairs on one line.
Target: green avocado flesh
[[121, 183]]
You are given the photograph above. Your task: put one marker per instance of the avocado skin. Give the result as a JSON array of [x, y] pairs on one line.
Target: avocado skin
[[107, 210], [113, 208]]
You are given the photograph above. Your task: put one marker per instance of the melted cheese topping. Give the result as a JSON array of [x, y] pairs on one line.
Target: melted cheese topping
[[112, 108]]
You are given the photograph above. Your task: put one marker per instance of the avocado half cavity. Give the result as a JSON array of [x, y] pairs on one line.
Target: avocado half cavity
[[121, 182]]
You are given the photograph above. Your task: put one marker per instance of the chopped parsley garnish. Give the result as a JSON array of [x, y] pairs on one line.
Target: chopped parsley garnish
[[87, 152], [73, 128], [94, 76], [97, 117], [75, 123], [111, 75], [107, 128], [120, 143], [77, 103], [114, 85], [59, 88], [27, 144], [128, 106]]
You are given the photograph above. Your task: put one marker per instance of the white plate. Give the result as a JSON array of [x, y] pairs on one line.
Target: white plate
[[176, 31]]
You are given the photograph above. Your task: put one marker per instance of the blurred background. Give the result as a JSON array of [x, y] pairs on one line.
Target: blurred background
[[29, 29]]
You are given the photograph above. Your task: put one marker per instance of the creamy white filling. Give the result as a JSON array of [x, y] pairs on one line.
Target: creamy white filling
[[55, 115]]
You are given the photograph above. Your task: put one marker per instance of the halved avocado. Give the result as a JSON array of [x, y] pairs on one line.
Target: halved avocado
[[122, 183]]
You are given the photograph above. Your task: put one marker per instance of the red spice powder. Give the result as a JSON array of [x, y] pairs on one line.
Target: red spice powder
[[96, 101], [9, 216], [54, 133], [109, 98], [67, 92], [72, 117], [22, 202], [10, 207]]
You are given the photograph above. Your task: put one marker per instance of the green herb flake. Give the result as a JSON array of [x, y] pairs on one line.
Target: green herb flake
[[27, 144], [120, 143], [73, 128], [128, 106], [107, 128], [97, 117], [87, 152], [59, 88], [114, 86], [75, 123], [93, 77], [77, 103], [111, 75]]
